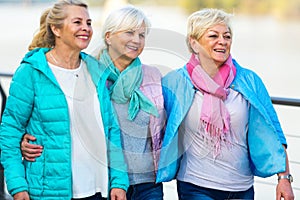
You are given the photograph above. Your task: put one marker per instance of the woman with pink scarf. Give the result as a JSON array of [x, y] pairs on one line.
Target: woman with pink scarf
[[222, 128]]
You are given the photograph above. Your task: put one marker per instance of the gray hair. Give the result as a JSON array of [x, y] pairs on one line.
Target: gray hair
[[125, 18]]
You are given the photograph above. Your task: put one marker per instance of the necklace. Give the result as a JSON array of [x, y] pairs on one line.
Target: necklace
[[57, 63], [50, 53]]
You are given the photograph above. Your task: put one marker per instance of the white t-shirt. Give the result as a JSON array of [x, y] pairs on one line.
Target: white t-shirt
[[230, 170], [89, 155]]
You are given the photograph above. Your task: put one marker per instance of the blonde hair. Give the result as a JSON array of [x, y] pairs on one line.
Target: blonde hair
[[123, 19], [200, 21], [54, 16]]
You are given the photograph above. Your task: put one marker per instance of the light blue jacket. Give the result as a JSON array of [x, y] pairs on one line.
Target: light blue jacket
[[265, 136], [37, 105]]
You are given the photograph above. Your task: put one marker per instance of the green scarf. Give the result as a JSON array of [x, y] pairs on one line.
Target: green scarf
[[125, 87]]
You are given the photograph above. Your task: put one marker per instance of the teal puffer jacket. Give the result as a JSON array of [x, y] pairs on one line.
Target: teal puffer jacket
[[37, 105]]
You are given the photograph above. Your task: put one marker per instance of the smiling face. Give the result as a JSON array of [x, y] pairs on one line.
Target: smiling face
[[125, 46], [77, 31], [215, 44]]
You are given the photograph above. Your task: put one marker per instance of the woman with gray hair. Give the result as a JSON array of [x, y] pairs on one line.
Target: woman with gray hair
[[136, 95], [223, 118], [58, 94]]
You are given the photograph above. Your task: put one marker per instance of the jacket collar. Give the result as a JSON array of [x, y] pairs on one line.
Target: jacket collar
[[37, 59]]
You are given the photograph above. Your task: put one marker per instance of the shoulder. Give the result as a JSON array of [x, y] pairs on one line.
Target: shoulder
[[175, 77], [88, 58], [151, 73], [154, 71], [245, 73]]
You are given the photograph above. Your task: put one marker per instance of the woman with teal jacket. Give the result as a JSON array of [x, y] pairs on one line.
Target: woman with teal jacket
[[58, 95], [136, 95]]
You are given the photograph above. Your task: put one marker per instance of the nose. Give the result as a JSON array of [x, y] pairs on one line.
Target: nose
[[86, 27], [136, 38], [221, 40]]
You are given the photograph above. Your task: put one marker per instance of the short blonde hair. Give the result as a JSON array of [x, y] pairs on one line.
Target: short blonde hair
[[200, 21]]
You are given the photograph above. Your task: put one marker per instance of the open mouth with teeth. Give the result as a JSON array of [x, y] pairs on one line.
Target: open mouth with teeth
[[132, 48], [220, 50], [84, 37]]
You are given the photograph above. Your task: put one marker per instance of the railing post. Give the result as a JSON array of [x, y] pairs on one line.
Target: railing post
[[2, 189], [3, 97]]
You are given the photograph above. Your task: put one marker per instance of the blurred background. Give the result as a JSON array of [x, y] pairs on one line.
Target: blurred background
[[266, 39]]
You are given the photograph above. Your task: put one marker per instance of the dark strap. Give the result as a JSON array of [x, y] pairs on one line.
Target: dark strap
[[3, 96], [3, 99]]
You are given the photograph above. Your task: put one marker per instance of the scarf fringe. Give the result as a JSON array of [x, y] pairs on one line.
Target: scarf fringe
[[214, 136]]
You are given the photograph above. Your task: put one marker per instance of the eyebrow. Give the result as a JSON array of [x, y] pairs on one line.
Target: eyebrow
[[218, 32], [79, 18]]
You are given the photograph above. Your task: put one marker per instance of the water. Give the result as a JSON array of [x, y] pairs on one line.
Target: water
[[263, 44]]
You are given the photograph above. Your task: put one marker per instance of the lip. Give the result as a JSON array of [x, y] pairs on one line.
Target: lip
[[133, 48], [220, 50], [83, 37]]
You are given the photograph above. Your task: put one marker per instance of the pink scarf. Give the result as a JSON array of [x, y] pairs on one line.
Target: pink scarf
[[214, 116]]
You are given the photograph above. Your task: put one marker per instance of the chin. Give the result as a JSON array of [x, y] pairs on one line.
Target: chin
[[132, 55]]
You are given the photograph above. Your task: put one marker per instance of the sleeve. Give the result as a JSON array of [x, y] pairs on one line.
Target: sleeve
[[268, 105], [118, 176], [16, 115], [118, 168]]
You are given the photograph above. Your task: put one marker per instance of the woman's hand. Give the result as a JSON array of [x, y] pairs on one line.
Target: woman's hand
[[30, 151], [117, 194], [284, 190], [21, 196]]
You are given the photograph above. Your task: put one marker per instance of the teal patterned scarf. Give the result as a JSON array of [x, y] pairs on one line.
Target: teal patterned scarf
[[125, 87]]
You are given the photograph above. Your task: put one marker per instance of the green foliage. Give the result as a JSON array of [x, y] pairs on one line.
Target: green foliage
[[95, 2], [280, 8], [154, 2], [194, 5]]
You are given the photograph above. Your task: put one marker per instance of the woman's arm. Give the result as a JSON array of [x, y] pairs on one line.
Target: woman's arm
[[16, 115], [284, 188]]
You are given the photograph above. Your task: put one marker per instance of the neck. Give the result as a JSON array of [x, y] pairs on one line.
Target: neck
[[209, 66], [121, 65], [210, 70], [64, 59], [120, 62]]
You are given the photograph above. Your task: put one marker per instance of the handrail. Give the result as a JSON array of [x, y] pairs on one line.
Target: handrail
[[275, 100], [2, 185], [3, 194], [285, 101], [6, 74]]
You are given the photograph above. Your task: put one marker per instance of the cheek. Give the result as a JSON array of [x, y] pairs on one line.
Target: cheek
[[229, 47], [142, 44], [206, 48]]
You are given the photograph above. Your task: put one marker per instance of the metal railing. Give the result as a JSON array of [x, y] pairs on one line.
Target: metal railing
[[285, 101], [275, 100], [3, 195]]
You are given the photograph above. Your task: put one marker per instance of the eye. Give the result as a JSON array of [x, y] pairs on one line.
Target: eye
[[228, 37], [89, 23], [77, 22], [213, 36], [142, 35], [129, 32]]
